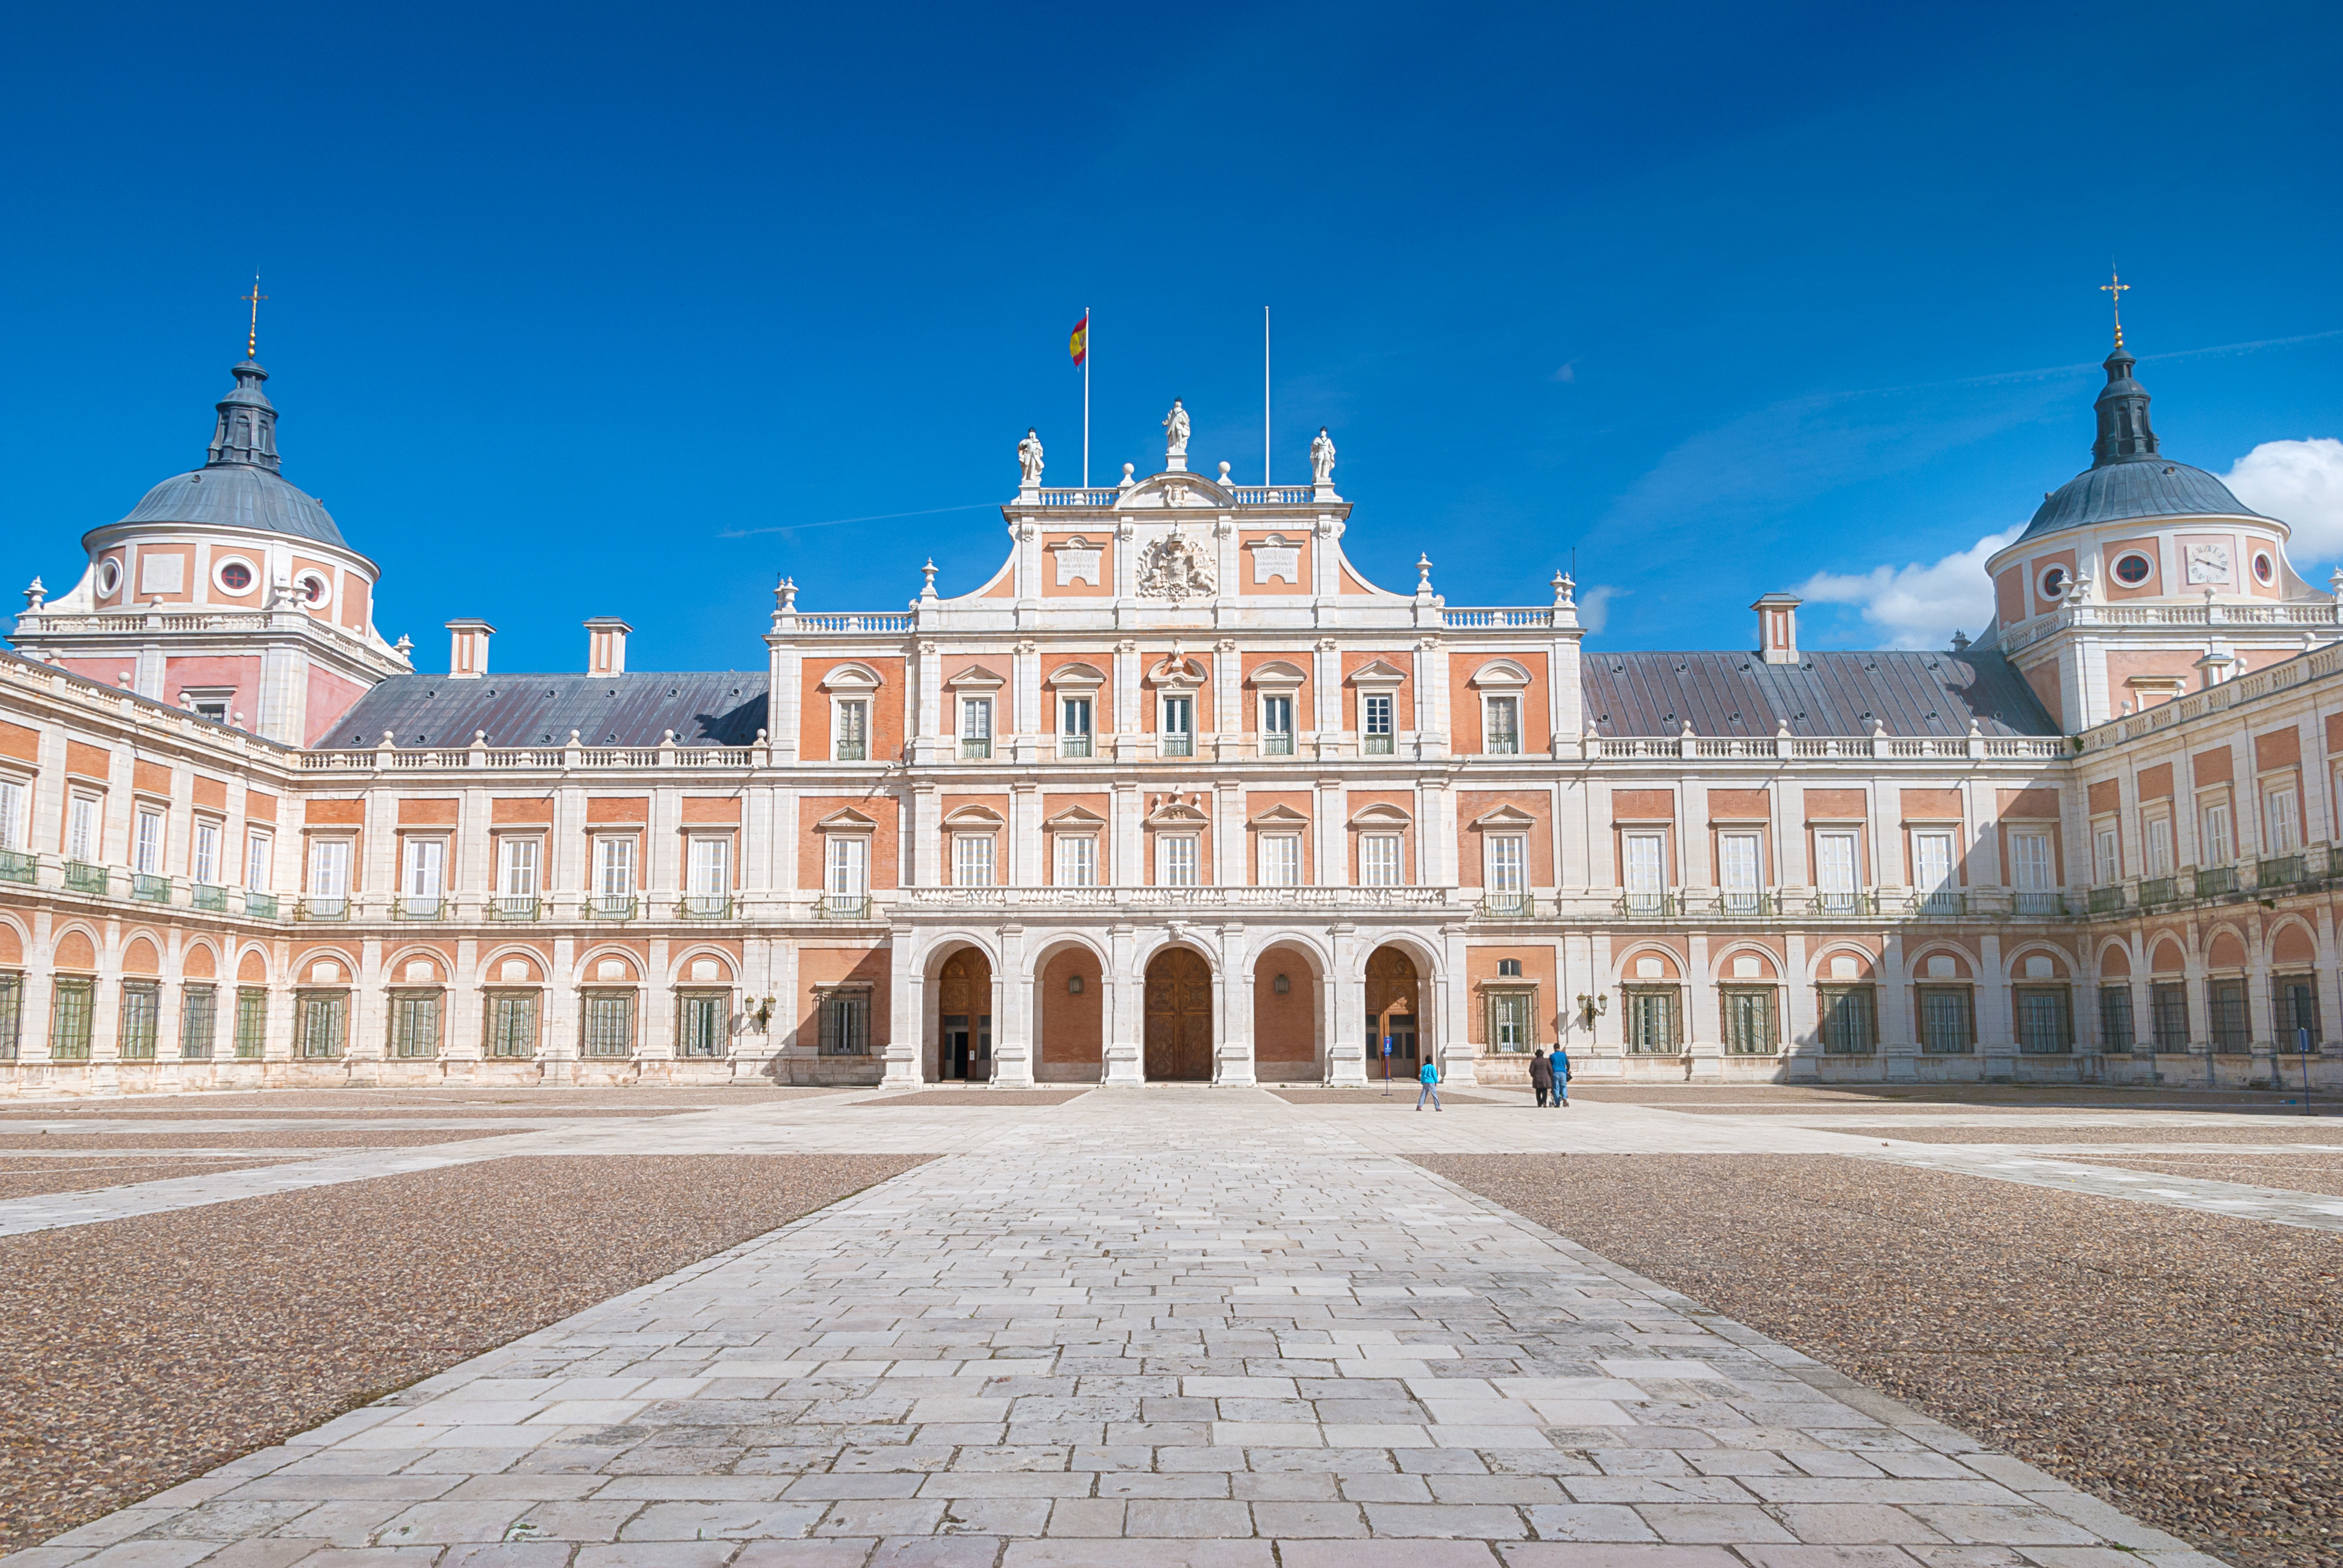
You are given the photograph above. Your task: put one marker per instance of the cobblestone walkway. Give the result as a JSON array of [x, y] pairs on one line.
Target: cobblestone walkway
[[1158, 1333]]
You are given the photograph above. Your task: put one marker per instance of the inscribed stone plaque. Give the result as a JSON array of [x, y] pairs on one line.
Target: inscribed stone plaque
[[162, 574]]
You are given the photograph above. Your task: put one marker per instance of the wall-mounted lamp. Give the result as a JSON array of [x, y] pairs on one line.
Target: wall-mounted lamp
[[1591, 1007], [1074, 985], [1281, 985]]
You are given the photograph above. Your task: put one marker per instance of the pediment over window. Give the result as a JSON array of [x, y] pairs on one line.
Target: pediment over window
[[1277, 674], [846, 820], [1380, 673], [1501, 673], [1380, 816], [851, 678], [1279, 817], [1508, 816], [975, 677], [1075, 817], [1077, 674], [973, 817], [1177, 670], [1172, 811]]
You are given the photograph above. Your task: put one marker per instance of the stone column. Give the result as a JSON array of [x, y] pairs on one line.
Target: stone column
[[906, 1018], [1343, 1007], [1013, 1013], [1126, 1020], [1232, 1050], [1996, 1022], [1705, 1037], [1452, 1003], [1899, 1036]]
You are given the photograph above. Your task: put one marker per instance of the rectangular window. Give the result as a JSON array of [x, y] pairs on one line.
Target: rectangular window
[[1380, 856], [204, 865], [2167, 1007], [1850, 1020], [1179, 734], [142, 1018], [329, 870], [609, 1023], [324, 1023], [710, 891], [849, 874], [12, 1015], [2233, 1024], [1505, 874], [424, 877], [1077, 860], [1375, 724], [1175, 861], [2295, 1006], [512, 1023], [413, 1023], [972, 860], [11, 815], [1500, 726], [1280, 859], [2116, 1031], [852, 741], [1645, 857], [1509, 1021], [1947, 1019], [614, 870], [516, 867], [1739, 859], [72, 1009], [700, 1020], [251, 1023], [147, 843], [1651, 1019], [2033, 874], [2218, 847], [260, 852], [1932, 872], [2158, 856], [1749, 1020], [2281, 826], [2106, 860], [1074, 727], [1277, 725], [81, 829], [1834, 877], [198, 1020], [2045, 1019], [845, 1022], [975, 728]]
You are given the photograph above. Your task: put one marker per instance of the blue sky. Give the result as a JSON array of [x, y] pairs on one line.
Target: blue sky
[[587, 309]]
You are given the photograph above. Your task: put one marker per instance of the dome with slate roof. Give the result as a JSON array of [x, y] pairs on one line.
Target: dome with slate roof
[[2129, 477], [239, 486]]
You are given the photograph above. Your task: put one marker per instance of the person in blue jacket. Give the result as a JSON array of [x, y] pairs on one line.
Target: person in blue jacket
[[1561, 1063], [1429, 1076]]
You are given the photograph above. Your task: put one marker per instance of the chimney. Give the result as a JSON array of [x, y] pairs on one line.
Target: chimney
[[606, 645], [1777, 626], [468, 648]]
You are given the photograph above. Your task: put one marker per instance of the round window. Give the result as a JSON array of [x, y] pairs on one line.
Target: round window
[[313, 588], [2054, 583], [109, 576], [2263, 570], [2132, 570], [234, 576]]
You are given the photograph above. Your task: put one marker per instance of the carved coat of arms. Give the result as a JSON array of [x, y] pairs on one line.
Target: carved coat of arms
[[1173, 568]]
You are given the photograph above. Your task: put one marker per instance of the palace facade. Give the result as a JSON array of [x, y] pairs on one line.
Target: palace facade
[[1178, 794]]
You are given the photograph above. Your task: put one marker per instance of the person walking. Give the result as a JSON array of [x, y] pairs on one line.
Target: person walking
[[1558, 1069], [1541, 1076], [1429, 1076]]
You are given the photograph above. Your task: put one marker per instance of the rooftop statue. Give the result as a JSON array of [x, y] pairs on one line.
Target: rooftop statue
[[1029, 459], [1175, 431], [1322, 457]]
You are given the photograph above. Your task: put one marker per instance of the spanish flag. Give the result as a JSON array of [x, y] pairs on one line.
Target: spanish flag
[[1078, 345]]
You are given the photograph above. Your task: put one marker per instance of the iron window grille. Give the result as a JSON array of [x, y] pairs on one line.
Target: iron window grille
[[324, 1023], [142, 1018], [2294, 1004], [1947, 1019], [1850, 1020], [12, 1015], [2167, 1009], [1510, 1020], [415, 1023], [1652, 1018], [700, 1020], [251, 1022], [73, 1006], [511, 1022], [2115, 1031], [1750, 1015], [198, 1019], [2045, 1019], [2233, 1023], [609, 1023], [845, 1022]]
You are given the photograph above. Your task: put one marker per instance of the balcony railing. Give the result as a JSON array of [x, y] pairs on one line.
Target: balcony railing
[[1843, 904], [1373, 744], [1277, 743], [610, 907], [843, 907], [148, 888], [326, 907], [2214, 881], [208, 896], [260, 906], [513, 907], [15, 865], [1508, 906], [847, 751], [1072, 747], [81, 877], [1940, 904], [2037, 904], [2281, 871], [972, 749], [706, 907], [418, 907], [1648, 907], [1178, 744], [2107, 900], [1744, 906], [2155, 891]]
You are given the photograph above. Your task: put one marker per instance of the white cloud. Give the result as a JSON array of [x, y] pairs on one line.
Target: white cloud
[[2301, 483], [1918, 605], [1594, 606], [1568, 372]]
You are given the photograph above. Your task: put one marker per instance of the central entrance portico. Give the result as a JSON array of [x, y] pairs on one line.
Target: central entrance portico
[[1179, 1016]]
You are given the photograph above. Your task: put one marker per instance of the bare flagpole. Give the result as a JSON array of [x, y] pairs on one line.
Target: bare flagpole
[[1086, 397], [1264, 395]]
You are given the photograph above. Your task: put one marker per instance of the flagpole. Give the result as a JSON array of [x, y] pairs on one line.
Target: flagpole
[[1086, 397], [1264, 395]]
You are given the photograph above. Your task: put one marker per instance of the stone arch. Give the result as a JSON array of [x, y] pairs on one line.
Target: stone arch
[[1959, 966], [594, 966], [1289, 1026], [1068, 976], [252, 968], [2228, 949], [11, 941], [2292, 945], [404, 966], [75, 948], [492, 966], [1399, 1008], [1179, 1004], [1728, 971], [692, 966], [2040, 962], [2115, 959], [960, 1015], [1634, 961], [141, 956], [2166, 956]]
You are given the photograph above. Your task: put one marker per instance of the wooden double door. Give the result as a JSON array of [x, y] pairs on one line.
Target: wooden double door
[[1179, 1016]]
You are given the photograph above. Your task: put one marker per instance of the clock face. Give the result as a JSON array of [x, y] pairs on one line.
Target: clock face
[[2208, 563]]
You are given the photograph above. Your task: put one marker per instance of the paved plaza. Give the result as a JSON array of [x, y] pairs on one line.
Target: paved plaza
[[1156, 1326]]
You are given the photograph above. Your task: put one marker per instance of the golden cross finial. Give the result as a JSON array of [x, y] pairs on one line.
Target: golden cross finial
[[2113, 289], [252, 340]]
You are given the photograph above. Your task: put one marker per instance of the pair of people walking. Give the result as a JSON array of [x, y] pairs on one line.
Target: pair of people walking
[[1550, 1076]]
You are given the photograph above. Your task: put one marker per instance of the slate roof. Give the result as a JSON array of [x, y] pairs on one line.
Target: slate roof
[[2134, 489], [722, 707], [237, 497], [1739, 694]]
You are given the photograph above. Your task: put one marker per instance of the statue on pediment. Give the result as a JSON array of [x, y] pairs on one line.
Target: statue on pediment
[[1175, 431], [1322, 457], [1029, 459]]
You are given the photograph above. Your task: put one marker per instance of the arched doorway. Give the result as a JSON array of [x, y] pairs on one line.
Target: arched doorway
[[1392, 1014], [1179, 1016], [1285, 1017], [964, 1017]]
